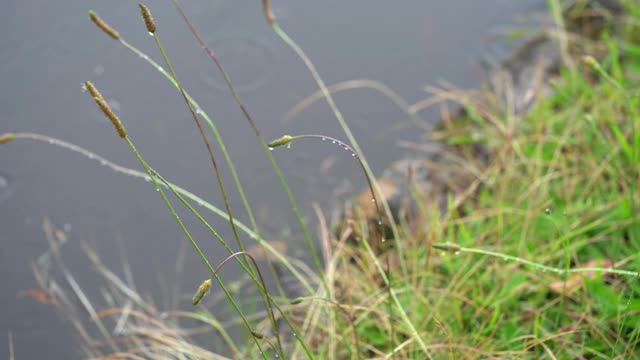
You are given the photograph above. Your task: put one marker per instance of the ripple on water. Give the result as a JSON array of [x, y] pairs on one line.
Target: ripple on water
[[247, 60], [5, 190]]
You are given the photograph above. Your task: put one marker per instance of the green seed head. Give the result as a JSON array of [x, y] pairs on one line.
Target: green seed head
[[202, 291], [450, 247], [284, 140], [589, 60], [5, 138]]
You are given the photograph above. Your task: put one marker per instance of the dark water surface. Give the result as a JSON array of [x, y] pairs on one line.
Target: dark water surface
[[48, 48]]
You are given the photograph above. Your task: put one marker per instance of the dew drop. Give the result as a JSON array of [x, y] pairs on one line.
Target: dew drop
[[270, 148], [373, 200], [353, 154], [333, 141], [324, 139], [289, 146], [547, 211], [150, 33], [457, 253], [379, 222]]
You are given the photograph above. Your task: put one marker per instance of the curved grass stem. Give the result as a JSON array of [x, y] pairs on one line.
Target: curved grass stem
[[181, 194], [206, 142], [188, 235], [343, 124], [560, 271], [263, 143]]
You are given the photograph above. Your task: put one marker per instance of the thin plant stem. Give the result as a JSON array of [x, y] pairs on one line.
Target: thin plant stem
[[393, 295], [560, 271], [349, 316], [210, 123], [353, 153], [180, 193], [327, 94], [287, 139], [188, 235], [267, 298], [205, 140], [276, 169]]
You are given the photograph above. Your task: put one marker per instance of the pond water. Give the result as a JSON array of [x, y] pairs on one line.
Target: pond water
[[48, 48]]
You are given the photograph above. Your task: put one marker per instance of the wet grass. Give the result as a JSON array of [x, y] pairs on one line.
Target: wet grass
[[543, 261], [537, 257]]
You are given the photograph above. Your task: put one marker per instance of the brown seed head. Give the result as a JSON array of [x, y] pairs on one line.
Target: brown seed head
[[103, 25], [88, 86], [106, 109], [148, 19], [5, 138]]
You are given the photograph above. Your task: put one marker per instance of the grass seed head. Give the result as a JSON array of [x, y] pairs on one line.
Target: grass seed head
[[106, 109], [202, 291], [5, 138], [284, 140], [148, 19], [103, 25]]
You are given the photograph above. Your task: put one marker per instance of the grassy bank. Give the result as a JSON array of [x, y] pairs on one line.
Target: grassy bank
[[518, 269], [536, 257]]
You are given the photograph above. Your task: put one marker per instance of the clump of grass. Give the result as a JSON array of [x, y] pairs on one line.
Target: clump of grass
[[544, 261]]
